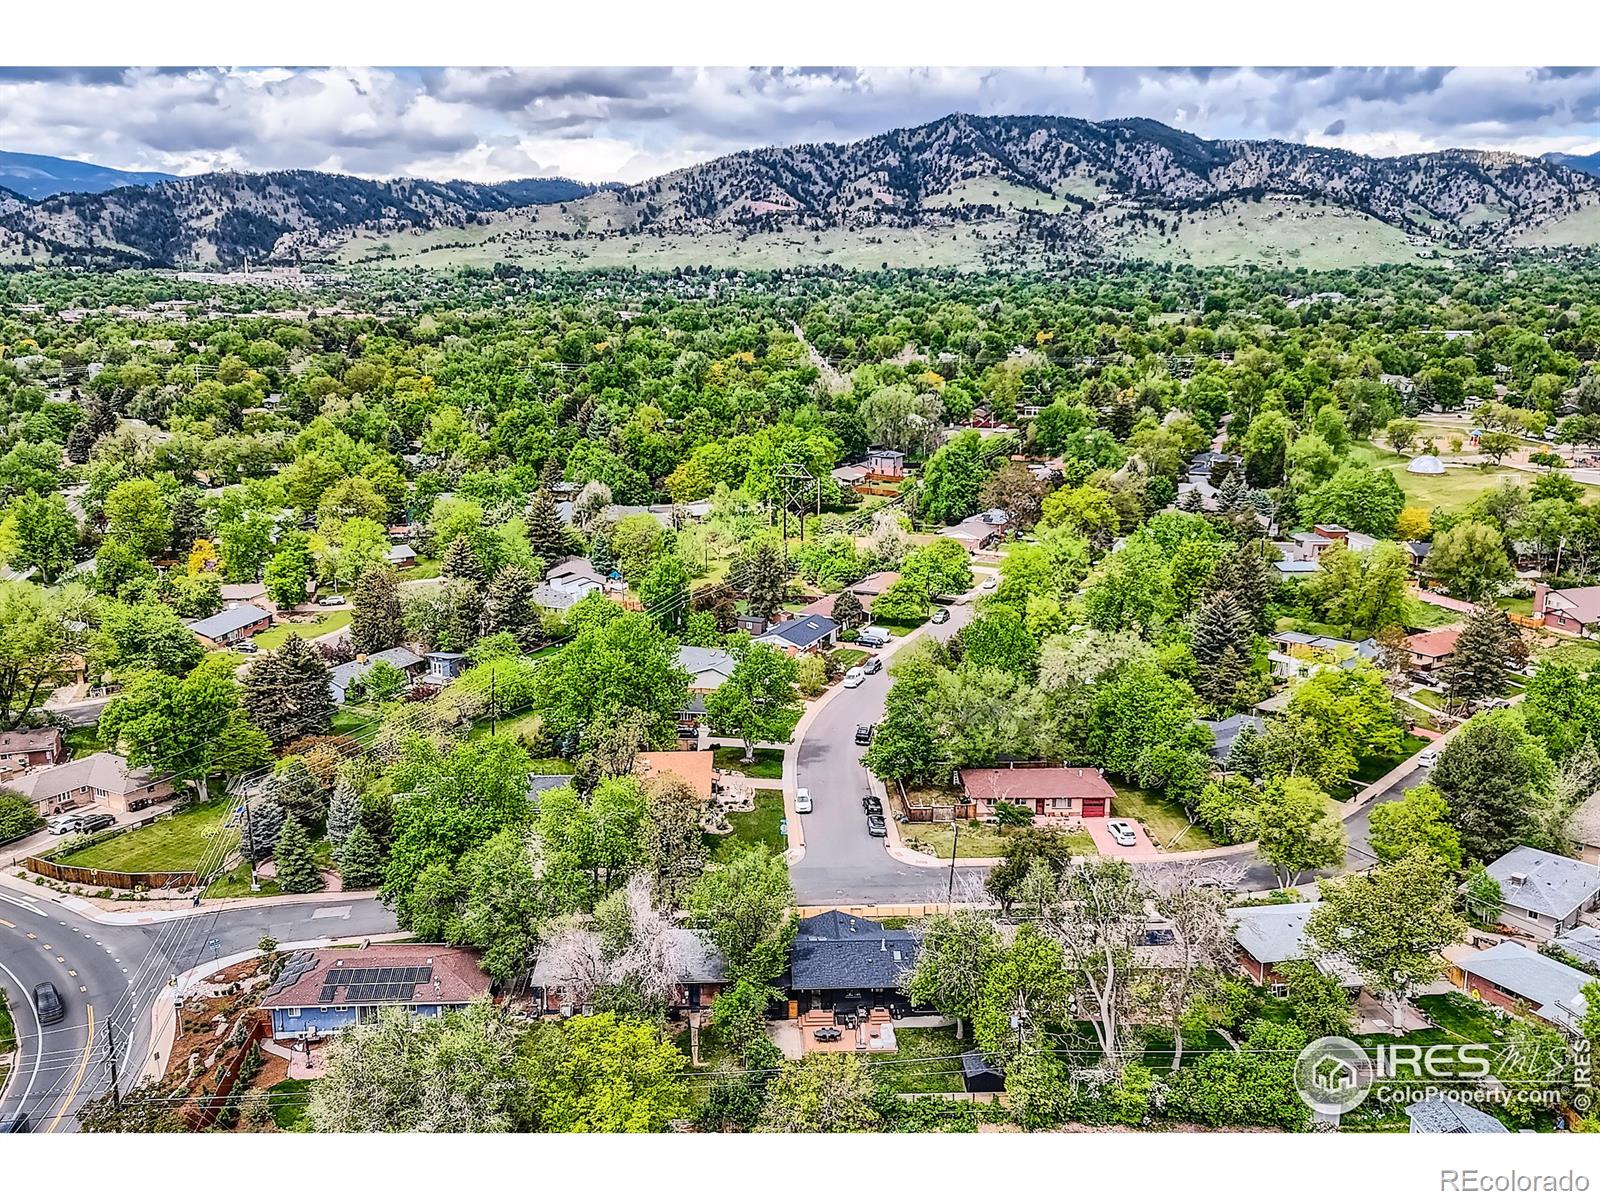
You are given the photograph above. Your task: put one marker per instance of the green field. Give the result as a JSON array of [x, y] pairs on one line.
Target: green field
[[768, 764], [760, 827], [1294, 233], [978, 839], [279, 634], [287, 1100], [1456, 488], [171, 843], [1162, 819]]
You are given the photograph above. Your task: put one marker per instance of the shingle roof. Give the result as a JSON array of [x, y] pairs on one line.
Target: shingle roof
[[1272, 933], [834, 951], [229, 620], [1582, 943], [103, 770], [342, 676], [1035, 783], [1554, 988], [1551, 884], [1225, 733], [19, 741], [703, 660], [454, 976], [802, 631], [538, 785], [1450, 1116], [1435, 643]]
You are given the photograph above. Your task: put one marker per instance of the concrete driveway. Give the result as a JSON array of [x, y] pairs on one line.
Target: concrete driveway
[[1142, 850]]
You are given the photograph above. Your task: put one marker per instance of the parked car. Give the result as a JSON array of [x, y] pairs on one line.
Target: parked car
[[47, 1002], [874, 636], [991, 582], [829, 1033], [16, 1123], [864, 735], [1426, 678], [873, 665], [875, 825], [872, 806], [940, 616], [1429, 758], [1122, 833], [92, 821], [246, 646], [66, 823], [330, 601], [802, 800], [854, 677]]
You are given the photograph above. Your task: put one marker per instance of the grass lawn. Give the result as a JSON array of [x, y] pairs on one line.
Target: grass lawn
[[287, 1100], [237, 883], [759, 827], [172, 843], [1521, 605], [1430, 616], [551, 766], [1456, 488], [903, 1072], [1467, 1019], [1571, 652], [898, 628], [1371, 768], [83, 741], [849, 656], [279, 634], [352, 719], [426, 568], [1162, 819], [978, 839], [768, 764]]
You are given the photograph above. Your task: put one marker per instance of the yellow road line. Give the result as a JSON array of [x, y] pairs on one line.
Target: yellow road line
[[88, 1049]]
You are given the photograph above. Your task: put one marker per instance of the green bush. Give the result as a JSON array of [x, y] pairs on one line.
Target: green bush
[[17, 816]]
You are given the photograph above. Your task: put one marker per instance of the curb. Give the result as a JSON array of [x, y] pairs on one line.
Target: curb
[[148, 912]]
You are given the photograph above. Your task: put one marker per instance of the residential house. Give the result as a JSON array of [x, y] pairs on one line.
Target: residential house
[[981, 532], [701, 971], [1206, 463], [1583, 828], [30, 749], [708, 668], [886, 464], [1583, 943], [318, 992], [1574, 611], [231, 626], [1207, 501], [1542, 894], [1057, 795], [1296, 568], [1445, 1115], [244, 593], [751, 625], [568, 582], [802, 635], [538, 785], [1431, 650], [1224, 733], [103, 779], [1519, 980], [866, 590], [1295, 655], [401, 555], [849, 476], [1268, 935], [1416, 552], [694, 767], [1310, 545], [838, 961], [343, 678], [443, 666]]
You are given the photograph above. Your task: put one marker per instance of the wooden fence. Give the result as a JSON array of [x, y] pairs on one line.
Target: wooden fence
[[205, 1111], [125, 881]]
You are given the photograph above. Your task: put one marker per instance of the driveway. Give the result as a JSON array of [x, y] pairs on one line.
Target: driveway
[[1142, 850]]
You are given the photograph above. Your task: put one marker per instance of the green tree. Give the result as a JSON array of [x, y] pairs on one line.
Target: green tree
[[956, 954], [757, 702], [605, 1074], [286, 692], [1493, 772], [848, 611], [360, 861], [664, 592], [288, 575], [138, 515], [821, 1093], [1484, 899], [547, 536], [998, 639], [1420, 819], [904, 600], [1295, 832], [147, 637], [1479, 665], [743, 906], [375, 619], [1255, 1086], [762, 575], [591, 843], [297, 870], [1318, 1002], [1220, 642], [509, 607], [616, 661], [39, 532], [42, 635], [18, 816], [952, 479], [504, 906], [1470, 559]]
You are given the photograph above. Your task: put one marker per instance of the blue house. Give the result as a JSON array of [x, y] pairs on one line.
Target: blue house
[[322, 991]]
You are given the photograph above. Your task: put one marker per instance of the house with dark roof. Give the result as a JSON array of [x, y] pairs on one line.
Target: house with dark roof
[[344, 678], [1057, 795], [1226, 732], [1543, 894], [802, 635], [1444, 1115], [231, 626], [838, 961], [318, 992], [442, 667], [1518, 980]]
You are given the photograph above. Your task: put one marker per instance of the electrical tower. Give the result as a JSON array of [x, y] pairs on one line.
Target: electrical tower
[[798, 493]]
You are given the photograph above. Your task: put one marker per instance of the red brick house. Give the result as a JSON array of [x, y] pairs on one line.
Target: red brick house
[[1574, 611], [1431, 650], [30, 749], [1057, 795]]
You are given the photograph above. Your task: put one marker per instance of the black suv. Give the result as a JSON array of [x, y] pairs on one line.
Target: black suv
[[95, 821], [48, 1003], [872, 666], [872, 806], [863, 735]]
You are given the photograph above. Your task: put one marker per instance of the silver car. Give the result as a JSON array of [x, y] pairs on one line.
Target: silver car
[[1122, 833]]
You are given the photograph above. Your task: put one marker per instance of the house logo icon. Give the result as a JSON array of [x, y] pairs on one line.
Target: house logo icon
[[1332, 1075]]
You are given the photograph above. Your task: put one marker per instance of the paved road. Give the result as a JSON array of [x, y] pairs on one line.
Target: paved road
[[842, 864], [109, 975]]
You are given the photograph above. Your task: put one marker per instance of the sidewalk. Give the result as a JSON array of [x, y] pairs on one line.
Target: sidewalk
[[149, 912]]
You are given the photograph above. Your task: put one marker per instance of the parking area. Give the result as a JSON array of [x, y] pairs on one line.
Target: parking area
[[1142, 850]]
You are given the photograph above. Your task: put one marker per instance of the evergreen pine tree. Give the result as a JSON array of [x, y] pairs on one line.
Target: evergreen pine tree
[[286, 692], [1190, 501], [296, 790], [1232, 495], [764, 579], [344, 813], [600, 551], [375, 620], [297, 869], [188, 522], [849, 611], [1220, 642], [463, 615], [1478, 666], [547, 536], [509, 608], [360, 861], [460, 561], [258, 833]]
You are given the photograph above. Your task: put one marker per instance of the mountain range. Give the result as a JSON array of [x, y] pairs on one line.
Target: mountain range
[[36, 176], [991, 190]]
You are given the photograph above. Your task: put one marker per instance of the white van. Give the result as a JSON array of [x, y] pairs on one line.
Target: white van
[[1429, 758], [854, 677], [802, 800]]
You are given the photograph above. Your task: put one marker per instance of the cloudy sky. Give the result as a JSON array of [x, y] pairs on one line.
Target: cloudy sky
[[631, 123]]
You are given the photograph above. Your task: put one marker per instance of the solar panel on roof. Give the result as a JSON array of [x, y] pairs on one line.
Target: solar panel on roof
[[328, 993]]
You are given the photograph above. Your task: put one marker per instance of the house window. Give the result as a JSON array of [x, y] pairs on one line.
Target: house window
[[1280, 990], [294, 1012]]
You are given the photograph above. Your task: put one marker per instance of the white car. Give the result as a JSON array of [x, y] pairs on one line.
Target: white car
[[330, 601], [991, 582], [1122, 833], [854, 677], [802, 800], [1429, 758]]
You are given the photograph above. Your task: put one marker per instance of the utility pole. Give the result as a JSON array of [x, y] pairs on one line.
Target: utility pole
[[111, 1057], [250, 840], [955, 838]]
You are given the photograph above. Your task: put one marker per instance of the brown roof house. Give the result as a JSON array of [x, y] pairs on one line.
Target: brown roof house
[[1574, 611], [318, 992], [1057, 795], [694, 767], [1431, 650], [103, 779], [24, 750]]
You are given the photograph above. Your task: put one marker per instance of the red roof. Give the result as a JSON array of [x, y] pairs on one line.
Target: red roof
[[1436, 643], [1036, 783], [453, 976]]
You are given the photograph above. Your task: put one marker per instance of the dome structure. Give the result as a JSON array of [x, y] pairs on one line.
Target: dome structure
[[1425, 464]]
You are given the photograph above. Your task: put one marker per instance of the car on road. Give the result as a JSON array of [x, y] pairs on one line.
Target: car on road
[[18, 1123], [872, 666], [1122, 833], [864, 734], [829, 1033], [81, 823], [873, 636], [246, 646], [854, 677], [48, 1004], [940, 616], [330, 601], [872, 806], [875, 825], [990, 583], [1429, 758], [802, 800]]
